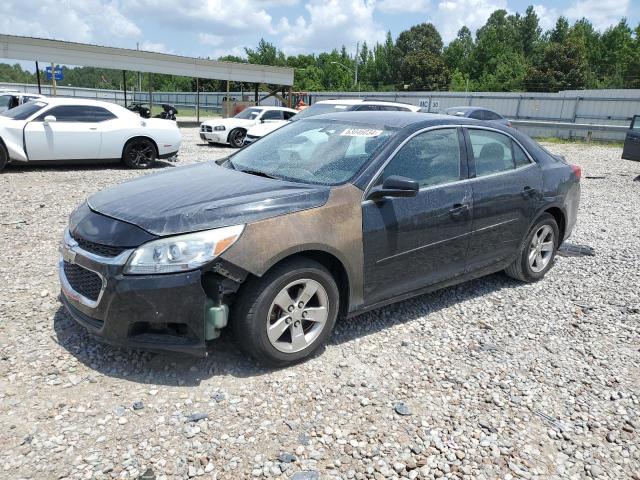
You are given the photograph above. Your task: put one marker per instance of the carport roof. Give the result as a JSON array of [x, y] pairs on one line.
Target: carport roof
[[71, 53]]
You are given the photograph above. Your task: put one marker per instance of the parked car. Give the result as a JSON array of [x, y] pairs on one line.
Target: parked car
[[70, 129], [328, 106], [478, 113], [287, 234], [15, 99], [232, 130], [631, 149]]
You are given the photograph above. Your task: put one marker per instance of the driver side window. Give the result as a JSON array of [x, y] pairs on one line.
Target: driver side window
[[430, 158]]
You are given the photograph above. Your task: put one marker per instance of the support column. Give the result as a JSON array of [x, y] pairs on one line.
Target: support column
[[38, 75], [124, 84], [197, 99]]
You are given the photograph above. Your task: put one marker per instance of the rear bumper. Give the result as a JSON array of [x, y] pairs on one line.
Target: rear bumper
[[150, 312]]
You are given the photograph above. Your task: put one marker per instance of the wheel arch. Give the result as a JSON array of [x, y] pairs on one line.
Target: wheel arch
[[136, 137], [561, 220], [233, 130], [328, 259]]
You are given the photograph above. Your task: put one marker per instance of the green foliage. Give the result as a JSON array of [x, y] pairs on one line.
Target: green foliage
[[563, 67], [509, 53]]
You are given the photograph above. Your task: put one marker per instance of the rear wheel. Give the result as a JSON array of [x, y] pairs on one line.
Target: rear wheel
[[287, 314], [4, 156], [236, 137], [139, 153], [537, 251]]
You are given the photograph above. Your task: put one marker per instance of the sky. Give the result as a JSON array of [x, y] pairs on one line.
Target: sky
[[212, 28]]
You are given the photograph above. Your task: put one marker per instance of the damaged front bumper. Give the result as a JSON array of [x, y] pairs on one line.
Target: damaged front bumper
[[176, 312]]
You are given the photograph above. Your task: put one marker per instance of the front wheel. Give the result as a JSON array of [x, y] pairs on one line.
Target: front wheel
[[236, 138], [537, 251], [287, 314], [139, 153]]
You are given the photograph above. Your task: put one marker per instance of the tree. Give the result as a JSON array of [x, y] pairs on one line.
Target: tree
[[457, 55], [265, 54], [562, 67], [498, 36], [420, 38], [529, 31], [508, 76], [561, 31], [424, 70]]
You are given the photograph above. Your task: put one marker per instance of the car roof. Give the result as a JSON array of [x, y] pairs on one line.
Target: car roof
[[267, 107], [468, 109], [363, 101], [400, 120], [77, 101]]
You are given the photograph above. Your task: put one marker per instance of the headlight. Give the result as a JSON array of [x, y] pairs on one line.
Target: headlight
[[182, 252], [219, 128]]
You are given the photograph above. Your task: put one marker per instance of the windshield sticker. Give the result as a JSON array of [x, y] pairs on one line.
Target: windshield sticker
[[360, 132]]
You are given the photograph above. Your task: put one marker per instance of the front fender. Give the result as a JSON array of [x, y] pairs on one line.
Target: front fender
[[15, 150]]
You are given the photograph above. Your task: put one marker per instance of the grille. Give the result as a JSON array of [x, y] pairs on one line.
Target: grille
[[99, 249], [85, 282], [207, 128]]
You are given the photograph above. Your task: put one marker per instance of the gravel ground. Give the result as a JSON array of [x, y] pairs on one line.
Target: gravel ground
[[490, 379]]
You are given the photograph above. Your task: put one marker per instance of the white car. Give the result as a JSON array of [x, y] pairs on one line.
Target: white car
[[330, 106], [232, 130], [9, 100], [70, 129]]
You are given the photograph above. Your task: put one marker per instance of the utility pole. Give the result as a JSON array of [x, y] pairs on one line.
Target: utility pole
[[355, 82]]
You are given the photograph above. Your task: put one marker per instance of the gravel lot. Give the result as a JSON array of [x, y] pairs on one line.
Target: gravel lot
[[499, 379]]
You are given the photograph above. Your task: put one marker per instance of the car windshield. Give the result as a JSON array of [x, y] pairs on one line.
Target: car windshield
[[317, 151], [249, 113], [5, 100], [24, 111], [319, 109]]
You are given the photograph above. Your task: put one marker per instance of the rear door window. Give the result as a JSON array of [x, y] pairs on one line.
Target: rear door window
[[494, 152], [477, 115], [272, 115], [488, 115]]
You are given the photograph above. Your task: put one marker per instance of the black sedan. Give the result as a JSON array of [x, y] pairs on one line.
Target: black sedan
[[332, 215]]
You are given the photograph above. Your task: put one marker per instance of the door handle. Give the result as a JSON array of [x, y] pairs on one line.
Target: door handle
[[458, 209], [93, 128], [529, 191]]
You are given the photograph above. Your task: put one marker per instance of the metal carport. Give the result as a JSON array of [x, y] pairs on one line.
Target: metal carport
[[72, 53]]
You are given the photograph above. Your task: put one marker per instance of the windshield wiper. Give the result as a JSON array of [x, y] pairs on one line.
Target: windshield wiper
[[256, 172]]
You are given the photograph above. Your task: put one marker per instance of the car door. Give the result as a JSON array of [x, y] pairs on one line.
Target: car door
[[74, 135], [413, 242], [631, 149], [507, 189]]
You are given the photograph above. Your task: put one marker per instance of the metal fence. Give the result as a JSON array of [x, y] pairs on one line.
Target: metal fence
[[599, 107]]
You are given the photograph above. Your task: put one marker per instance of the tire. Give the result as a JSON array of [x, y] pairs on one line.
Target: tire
[[4, 156], [236, 137], [139, 153], [267, 332], [528, 269]]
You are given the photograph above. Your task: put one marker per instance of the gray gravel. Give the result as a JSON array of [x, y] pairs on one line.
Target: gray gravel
[[490, 379]]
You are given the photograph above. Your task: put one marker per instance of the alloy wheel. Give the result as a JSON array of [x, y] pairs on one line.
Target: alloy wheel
[[141, 154], [541, 248], [297, 315]]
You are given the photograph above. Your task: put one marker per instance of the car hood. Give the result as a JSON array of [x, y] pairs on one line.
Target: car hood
[[262, 129], [201, 197]]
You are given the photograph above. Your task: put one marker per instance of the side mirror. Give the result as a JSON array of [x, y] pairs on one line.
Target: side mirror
[[394, 186], [49, 119]]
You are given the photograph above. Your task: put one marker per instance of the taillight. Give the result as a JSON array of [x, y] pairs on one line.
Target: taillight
[[509, 124], [577, 171]]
